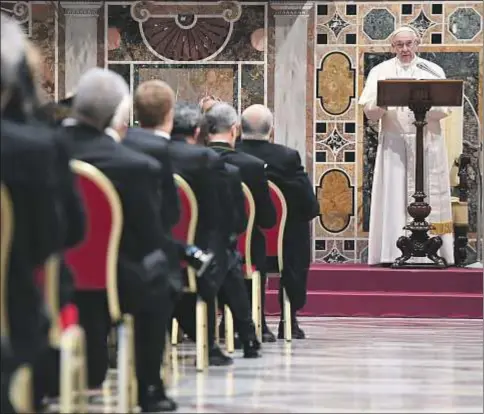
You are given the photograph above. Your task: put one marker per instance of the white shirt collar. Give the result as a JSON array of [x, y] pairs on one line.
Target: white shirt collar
[[113, 134], [161, 134], [68, 122]]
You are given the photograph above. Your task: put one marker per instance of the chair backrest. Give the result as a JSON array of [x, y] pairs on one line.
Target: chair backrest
[[94, 261], [6, 229], [186, 228], [244, 240], [275, 235]]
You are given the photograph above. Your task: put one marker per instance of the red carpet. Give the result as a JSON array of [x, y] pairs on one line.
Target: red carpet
[[361, 290]]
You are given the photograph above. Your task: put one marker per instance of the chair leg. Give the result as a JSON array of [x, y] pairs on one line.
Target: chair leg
[[166, 369], [229, 330], [202, 335], [216, 336], [21, 393], [81, 374], [256, 305], [67, 379], [287, 317], [127, 389], [174, 332]]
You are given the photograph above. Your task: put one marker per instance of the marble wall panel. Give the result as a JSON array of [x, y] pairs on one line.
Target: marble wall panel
[[192, 82], [335, 191], [336, 80], [43, 35], [252, 85]]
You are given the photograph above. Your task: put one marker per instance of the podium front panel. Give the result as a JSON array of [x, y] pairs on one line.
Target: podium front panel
[[400, 92]]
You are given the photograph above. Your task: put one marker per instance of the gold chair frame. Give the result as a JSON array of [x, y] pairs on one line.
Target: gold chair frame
[[72, 345], [127, 398], [201, 306], [280, 261], [254, 276], [7, 227], [20, 392]]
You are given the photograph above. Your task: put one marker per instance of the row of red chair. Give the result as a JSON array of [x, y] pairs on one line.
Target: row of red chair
[[94, 264]]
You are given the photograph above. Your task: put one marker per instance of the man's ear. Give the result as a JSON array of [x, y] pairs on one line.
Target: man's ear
[[196, 134]]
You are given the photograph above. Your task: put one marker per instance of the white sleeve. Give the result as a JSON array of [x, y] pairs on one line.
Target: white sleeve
[[368, 97]]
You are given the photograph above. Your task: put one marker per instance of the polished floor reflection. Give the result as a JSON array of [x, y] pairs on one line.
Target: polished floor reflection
[[346, 365]]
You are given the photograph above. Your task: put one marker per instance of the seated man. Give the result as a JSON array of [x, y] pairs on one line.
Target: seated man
[[233, 291], [202, 169], [285, 170], [142, 274], [33, 170], [153, 140], [252, 171]]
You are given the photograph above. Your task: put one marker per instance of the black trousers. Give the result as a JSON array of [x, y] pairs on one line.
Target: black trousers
[[150, 329], [184, 313], [234, 293]]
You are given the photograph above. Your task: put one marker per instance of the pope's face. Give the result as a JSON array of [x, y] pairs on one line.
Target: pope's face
[[405, 46]]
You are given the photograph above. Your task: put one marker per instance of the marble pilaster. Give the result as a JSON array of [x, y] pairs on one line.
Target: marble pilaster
[[291, 22], [80, 39]]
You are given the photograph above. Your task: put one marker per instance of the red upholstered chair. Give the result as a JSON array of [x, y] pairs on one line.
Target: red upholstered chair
[[185, 231], [21, 390], [275, 248], [94, 263]]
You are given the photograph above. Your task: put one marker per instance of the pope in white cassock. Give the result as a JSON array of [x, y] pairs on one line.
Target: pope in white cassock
[[394, 175]]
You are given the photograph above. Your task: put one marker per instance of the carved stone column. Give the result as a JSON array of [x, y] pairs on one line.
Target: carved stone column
[[80, 39], [291, 23]]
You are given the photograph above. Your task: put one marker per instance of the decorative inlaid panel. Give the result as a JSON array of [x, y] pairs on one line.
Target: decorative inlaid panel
[[186, 32], [452, 37], [336, 196], [336, 83], [336, 79]]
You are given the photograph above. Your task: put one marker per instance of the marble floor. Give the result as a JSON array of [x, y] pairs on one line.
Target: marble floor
[[347, 365]]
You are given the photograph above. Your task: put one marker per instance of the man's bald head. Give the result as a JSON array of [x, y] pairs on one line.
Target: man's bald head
[[257, 122], [154, 102]]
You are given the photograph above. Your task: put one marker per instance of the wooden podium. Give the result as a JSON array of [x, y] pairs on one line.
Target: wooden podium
[[419, 96]]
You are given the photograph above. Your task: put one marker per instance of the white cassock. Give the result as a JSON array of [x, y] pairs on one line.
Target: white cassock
[[394, 175]]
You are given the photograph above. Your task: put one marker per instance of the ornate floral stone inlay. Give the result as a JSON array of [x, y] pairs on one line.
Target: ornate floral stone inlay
[[335, 141], [334, 256], [336, 24], [335, 83], [421, 23], [336, 200]]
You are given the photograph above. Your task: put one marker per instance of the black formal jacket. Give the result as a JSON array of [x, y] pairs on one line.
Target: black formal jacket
[[205, 172], [285, 170], [26, 170], [155, 146], [136, 179], [252, 172]]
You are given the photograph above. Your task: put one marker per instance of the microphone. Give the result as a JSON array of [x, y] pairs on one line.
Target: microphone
[[424, 67]]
